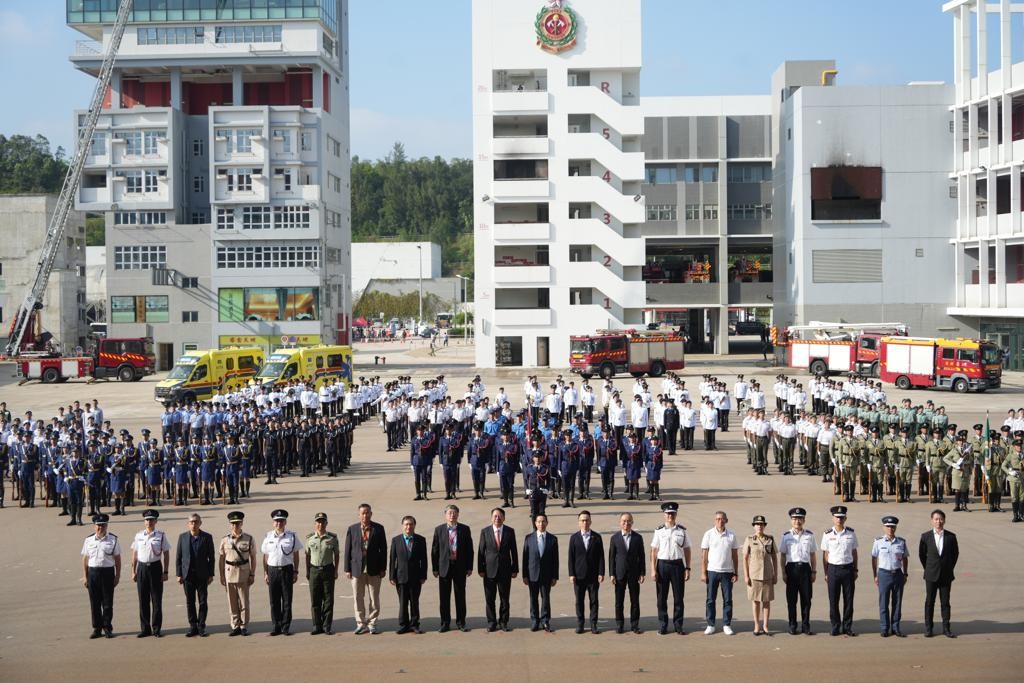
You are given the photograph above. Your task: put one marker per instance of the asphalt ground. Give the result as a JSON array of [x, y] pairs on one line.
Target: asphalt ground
[[44, 610]]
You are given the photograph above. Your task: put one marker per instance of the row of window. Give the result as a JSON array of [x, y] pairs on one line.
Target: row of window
[[136, 142], [141, 182], [252, 304], [140, 218], [175, 35], [735, 212], [265, 217], [105, 11], [248, 34], [268, 256], [748, 212], [238, 179], [707, 173], [140, 257]]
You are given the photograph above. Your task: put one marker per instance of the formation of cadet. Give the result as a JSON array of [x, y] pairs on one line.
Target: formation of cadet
[[852, 438], [210, 451]]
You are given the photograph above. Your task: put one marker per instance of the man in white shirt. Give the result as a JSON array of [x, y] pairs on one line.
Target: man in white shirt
[[739, 390], [719, 550]]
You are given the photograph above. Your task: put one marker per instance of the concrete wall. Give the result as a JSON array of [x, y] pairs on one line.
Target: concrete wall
[[393, 261]]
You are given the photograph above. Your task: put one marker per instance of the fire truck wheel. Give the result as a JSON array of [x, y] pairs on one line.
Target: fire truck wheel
[[903, 382], [586, 375], [657, 369], [819, 367], [126, 373], [51, 375], [607, 371], [874, 370], [960, 385]]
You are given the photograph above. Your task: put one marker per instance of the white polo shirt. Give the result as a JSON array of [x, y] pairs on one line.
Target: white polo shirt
[[720, 547]]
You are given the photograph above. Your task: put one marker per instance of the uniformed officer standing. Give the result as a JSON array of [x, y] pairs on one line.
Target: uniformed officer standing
[[839, 561], [151, 560], [323, 557], [1013, 468], [280, 550], [237, 563], [101, 572], [799, 569], [670, 567], [889, 559]]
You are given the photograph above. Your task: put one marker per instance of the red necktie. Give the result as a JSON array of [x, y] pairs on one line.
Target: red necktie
[[497, 537]]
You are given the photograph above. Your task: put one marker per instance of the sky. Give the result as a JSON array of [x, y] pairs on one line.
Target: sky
[[410, 74]]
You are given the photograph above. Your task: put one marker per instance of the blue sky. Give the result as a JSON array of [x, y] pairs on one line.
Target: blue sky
[[411, 70]]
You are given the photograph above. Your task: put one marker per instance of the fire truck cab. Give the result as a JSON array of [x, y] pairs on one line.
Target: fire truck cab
[[958, 364]]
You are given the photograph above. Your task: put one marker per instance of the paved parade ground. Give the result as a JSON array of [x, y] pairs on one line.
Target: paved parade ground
[[44, 610]]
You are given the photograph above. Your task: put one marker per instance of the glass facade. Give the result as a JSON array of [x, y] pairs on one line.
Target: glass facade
[[105, 11]]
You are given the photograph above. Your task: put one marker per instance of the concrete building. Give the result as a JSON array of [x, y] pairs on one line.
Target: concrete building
[[393, 261], [987, 138], [863, 214], [221, 164], [23, 223], [558, 170]]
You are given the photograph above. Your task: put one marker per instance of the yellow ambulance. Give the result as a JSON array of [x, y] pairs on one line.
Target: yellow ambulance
[[198, 375], [321, 362]]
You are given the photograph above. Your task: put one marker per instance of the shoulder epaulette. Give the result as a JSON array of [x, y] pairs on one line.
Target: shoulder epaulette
[[659, 527], [831, 531], [680, 526], [850, 529], [879, 538]]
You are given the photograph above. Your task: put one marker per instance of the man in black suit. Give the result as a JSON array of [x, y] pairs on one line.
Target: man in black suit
[[540, 571], [627, 568], [497, 562], [407, 571], [366, 563], [586, 569], [194, 569], [938, 552], [452, 560]]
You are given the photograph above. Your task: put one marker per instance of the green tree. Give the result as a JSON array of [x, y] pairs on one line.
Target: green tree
[[28, 166], [94, 231]]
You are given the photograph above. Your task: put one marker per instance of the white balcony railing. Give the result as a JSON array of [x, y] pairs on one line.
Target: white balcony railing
[[534, 232], [532, 317]]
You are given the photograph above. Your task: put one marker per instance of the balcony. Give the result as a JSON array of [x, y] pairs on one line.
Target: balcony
[[93, 195], [753, 293], [522, 275], [534, 232], [520, 145], [519, 101], [684, 294], [526, 317], [527, 188]]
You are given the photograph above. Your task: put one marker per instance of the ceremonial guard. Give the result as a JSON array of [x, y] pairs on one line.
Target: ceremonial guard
[[1013, 468]]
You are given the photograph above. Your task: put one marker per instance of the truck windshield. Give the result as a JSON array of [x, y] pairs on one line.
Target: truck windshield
[[991, 355], [581, 346], [271, 370], [181, 371]]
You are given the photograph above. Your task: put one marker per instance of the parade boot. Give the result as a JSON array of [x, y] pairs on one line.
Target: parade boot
[[63, 507], [248, 484], [476, 490], [650, 490], [657, 490], [1016, 512], [881, 493], [419, 492], [991, 502]]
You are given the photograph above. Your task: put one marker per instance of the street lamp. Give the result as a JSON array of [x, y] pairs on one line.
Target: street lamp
[[465, 292], [419, 252]]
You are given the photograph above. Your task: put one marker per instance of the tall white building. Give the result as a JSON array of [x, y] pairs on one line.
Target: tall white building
[[988, 158], [221, 164], [558, 170]]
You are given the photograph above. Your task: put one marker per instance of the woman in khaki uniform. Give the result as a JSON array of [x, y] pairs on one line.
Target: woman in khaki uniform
[[237, 562], [761, 564]]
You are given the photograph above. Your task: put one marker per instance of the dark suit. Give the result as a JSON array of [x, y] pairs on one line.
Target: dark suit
[[366, 568], [408, 570], [938, 575], [194, 566], [627, 567], [586, 564], [540, 570], [452, 572], [497, 565]]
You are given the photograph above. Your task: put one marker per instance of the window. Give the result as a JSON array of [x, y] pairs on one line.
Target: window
[[98, 146], [335, 360], [710, 212], [291, 217], [306, 141], [691, 173], [237, 304], [948, 354], [285, 174], [239, 180], [229, 364], [149, 140], [285, 136], [967, 355], [246, 362], [846, 193], [149, 181], [319, 362], [693, 212], [189, 283], [248, 34], [333, 146], [139, 309], [190, 316], [140, 218], [333, 182], [243, 139], [298, 255], [140, 257], [199, 184], [132, 142], [255, 217], [225, 219], [179, 35], [749, 173], [661, 212], [199, 217], [132, 180], [661, 175], [198, 147], [709, 174]]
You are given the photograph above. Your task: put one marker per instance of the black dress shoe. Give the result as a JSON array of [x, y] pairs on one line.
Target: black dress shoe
[[157, 634], [849, 632], [462, 627], [328, 630], [235, 632], [948, 633], [192, 632], [637, 630], [928, 633], [202, 632], [836, 632], [418, 631], [491, 628], [245, 631], [792, 630], [885, 634], [580, 629], [316, 632], [144, 634], [95, 634], [535, 626], [898, 633], [505, 627], [403, 630], [275, 632], [444, 628], [108, 633], [287, 632], [594, 629], [662, 630], [620, 629]]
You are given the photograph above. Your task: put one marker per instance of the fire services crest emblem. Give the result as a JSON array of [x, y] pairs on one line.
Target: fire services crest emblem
[[556, 26]]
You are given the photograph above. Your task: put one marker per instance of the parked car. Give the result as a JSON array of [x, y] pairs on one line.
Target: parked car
[[426, 331]]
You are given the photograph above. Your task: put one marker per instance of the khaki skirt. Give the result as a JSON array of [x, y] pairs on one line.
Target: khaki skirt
[[760, 591]]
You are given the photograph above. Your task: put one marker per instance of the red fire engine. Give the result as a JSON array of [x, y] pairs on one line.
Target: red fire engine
[[823, 348], [129, 360], [610, 352], [958, 364]]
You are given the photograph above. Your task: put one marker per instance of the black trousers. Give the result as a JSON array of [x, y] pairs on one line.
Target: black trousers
[[671, 435], [409, 604], [195, 592], [586, 589], [633, 584], [540, 601], [687, 433], [281, 596], [709, 439], [101, 596], [798, 585], [501, 587], [930, 590], [840, 581], [444, 586], [149, 581], [670, 575]]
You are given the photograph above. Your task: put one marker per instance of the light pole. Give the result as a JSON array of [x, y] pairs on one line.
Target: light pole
[[465, 294], [419, 252]]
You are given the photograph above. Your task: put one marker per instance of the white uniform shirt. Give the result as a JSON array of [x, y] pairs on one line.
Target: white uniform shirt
[[720, 547], [839, 545], [101, 551], [670, 542], [798, 547], [281, 549], [149, 547]]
